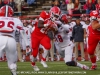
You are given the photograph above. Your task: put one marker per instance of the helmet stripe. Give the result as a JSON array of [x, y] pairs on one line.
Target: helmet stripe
[[6, 14]]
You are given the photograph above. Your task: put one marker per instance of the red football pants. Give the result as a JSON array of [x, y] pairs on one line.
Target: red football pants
[[92, 43], [37, 40]]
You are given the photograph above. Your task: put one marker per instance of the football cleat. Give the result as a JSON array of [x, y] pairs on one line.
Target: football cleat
[[93, 67], [13, 72], [36, 68], [44, 64]]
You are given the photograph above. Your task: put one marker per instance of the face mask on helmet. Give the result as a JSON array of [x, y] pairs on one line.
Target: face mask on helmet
[[54, 13], [54, 17], [92, 18]]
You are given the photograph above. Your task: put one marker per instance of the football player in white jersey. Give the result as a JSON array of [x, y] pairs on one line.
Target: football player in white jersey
[[22, 42], [71, 25], [65, 45], [8, 26]]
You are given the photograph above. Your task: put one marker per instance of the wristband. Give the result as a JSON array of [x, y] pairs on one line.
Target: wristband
[[45, 25]]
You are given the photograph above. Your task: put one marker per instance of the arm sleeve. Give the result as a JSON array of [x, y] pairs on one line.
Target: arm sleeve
[[66, 27]]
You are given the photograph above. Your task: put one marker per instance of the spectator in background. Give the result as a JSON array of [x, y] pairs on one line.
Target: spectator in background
[[29, 2], [89, 6], [12, 4], [1, 3], [56, 3], [63, 7], [18, 2], [70, 7], [77, 7], [78, 38], [67, 1], [6, 1]]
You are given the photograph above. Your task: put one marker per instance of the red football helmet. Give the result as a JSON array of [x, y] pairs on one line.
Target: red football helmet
[[64, 18], [93, 15], [6, 11], [55, 13]]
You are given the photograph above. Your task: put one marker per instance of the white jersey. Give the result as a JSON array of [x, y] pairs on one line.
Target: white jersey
[[9, 25], [28, 32], [62, 38], [30, 28], [82, 22], [86, 28], [71, 25]]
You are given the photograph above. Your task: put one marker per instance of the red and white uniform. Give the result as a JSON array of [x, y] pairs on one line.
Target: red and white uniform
[[28, 37], [8, 27], [63, 42], [39, 35], [93, 39]]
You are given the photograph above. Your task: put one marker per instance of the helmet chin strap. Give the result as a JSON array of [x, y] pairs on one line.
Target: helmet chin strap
[[6, 15]]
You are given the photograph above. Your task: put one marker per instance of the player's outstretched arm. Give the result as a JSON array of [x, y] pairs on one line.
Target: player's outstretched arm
[[95, 25]]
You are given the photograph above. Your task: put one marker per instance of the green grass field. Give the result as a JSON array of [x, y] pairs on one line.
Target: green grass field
[[55, 68]]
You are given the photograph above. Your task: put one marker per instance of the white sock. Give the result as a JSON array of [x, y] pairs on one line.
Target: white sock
[[37, 57], [79, 65], [52, 59], [23, 57], [32, 59], [58, 57], [45, 53], [14, 72], [47, 58]]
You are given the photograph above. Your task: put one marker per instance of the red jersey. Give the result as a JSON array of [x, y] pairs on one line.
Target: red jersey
[[44, 16], [92, 31]]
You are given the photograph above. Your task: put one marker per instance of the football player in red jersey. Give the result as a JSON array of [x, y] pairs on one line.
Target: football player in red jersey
[[39, 35], [8, 27], [93, 38]]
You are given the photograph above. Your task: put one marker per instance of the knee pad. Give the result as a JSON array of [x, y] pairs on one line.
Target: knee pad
[[13, 66], [71, 63]]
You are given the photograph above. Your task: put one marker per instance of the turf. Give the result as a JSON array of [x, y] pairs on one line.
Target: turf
[[55, 68]]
